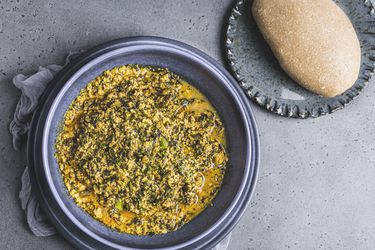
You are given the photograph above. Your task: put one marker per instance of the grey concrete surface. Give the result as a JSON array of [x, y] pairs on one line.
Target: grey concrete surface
[[316, 186]]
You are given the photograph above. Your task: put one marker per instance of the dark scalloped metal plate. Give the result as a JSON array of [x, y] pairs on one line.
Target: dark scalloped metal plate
[[259, 74]]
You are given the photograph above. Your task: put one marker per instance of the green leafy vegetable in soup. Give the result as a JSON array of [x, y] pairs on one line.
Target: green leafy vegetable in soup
[[141, 150]]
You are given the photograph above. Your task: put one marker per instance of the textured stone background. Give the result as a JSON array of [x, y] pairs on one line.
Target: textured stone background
[[316, 186]]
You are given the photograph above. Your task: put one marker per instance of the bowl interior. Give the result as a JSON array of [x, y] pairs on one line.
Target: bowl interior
[[203, 77]]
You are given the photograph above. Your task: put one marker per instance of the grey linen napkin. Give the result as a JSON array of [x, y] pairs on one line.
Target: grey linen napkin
[[32, 87]]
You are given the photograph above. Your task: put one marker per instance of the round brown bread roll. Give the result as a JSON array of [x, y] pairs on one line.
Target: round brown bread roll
[[314, 42]]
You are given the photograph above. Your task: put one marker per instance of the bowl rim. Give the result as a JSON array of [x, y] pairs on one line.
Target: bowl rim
[[41, 122]]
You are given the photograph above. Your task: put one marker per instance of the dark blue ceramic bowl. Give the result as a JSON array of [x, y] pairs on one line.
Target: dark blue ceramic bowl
[[197, 68]]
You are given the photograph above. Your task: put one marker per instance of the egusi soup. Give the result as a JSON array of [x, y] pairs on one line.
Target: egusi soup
[[141, 150]]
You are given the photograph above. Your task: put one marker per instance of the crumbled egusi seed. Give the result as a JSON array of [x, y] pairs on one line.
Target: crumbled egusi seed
[[141, 150]]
